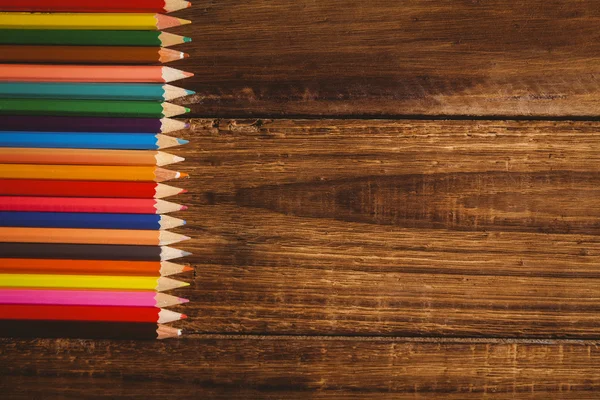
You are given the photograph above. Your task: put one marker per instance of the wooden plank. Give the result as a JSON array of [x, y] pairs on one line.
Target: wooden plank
[[296, 368], [451, 228], [390, 58]]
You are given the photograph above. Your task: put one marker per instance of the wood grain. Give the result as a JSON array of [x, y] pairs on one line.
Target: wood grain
[[297, 368], [390, 58], [410, 228]]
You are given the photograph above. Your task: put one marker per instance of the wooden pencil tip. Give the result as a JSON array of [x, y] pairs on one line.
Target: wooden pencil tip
[[187, 74], [182, 141], [183, 21], [187, 268]]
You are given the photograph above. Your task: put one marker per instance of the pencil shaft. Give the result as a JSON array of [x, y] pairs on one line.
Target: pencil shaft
[[133, 108], [78, 313], [100, 189], [86, 91], [89, 124], [80, 220], [58, 37]]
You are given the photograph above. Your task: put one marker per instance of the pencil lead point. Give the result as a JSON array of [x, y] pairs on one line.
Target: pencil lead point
[[183, 175], [187, 110], [187, 268], [188, 74], [183, 316], [182, 141], [184, 222], [183, 301], [189, 92], [185, 253], [183, 208], [187, 39], [183, 191]]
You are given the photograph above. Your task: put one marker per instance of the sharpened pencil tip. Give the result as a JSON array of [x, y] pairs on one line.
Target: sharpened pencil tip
[[183, 316], [183, 301], [184, 222], [187, 268], [185, 253], [187, 39], [187, 74], [189, 92], [183, 21], [189, 5], [187, 110], [183, 208], [184, 175], [182, 141], [183, 191], [185, 55]]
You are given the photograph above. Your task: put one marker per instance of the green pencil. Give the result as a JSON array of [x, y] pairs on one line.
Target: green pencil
[[93, 91], [144, 109], [90, 38]]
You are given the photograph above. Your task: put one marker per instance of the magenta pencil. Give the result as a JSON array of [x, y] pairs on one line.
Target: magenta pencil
[[89, 298]]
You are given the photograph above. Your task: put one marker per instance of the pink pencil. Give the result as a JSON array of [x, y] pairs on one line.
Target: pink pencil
[[89, 298]]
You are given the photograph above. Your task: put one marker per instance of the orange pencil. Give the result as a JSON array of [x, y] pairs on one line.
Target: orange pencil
[[90, 73], [90, 267], [23, 155], [88, 172], [90, 236]]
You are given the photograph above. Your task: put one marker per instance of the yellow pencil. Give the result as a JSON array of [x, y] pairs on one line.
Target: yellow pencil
[[91, 21], [88, 172], [89, 282]]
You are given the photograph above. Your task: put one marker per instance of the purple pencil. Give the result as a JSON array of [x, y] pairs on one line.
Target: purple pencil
[[89, 298], [89, 124]]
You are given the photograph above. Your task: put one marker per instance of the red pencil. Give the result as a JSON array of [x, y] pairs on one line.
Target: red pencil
[[88, 205], [88, 313], [56, 188], [86, 6]]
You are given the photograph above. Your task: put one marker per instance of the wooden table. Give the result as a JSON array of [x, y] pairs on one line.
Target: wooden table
[[447, 249]]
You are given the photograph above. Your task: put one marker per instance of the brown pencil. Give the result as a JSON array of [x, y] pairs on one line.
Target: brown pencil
[[88, 54]]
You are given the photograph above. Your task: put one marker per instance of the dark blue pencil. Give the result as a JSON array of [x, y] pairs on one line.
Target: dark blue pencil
[[88, 140], [88, 220]]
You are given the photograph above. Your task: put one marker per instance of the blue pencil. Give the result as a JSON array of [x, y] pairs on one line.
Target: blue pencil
[[88, 140], [91, 91], [88, 220]]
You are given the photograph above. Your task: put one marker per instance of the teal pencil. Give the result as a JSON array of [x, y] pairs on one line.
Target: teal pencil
[[97, 91]]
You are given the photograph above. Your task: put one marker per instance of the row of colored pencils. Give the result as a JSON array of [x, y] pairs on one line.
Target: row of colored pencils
[[85, 240]]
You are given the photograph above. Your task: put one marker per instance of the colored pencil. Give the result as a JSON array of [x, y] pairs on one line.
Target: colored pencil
[[89, 252], [86, 330], [88, 313], [89, 6], [89, 220], [88, 140], [90, 108], [90, 236], [89, 282], [89, 298], [55, 188], [90, 267], [88, 172], [90, 73], [88, 54], [90, 124], [92, 91], [24, 155], [88, 205], [94, 21], [58, 37]]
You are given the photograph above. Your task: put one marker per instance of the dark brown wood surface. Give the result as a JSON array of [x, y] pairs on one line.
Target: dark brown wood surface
[[338, 256], [390, 58]]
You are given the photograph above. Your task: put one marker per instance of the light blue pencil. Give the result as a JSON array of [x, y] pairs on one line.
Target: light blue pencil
[[88, 140]]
